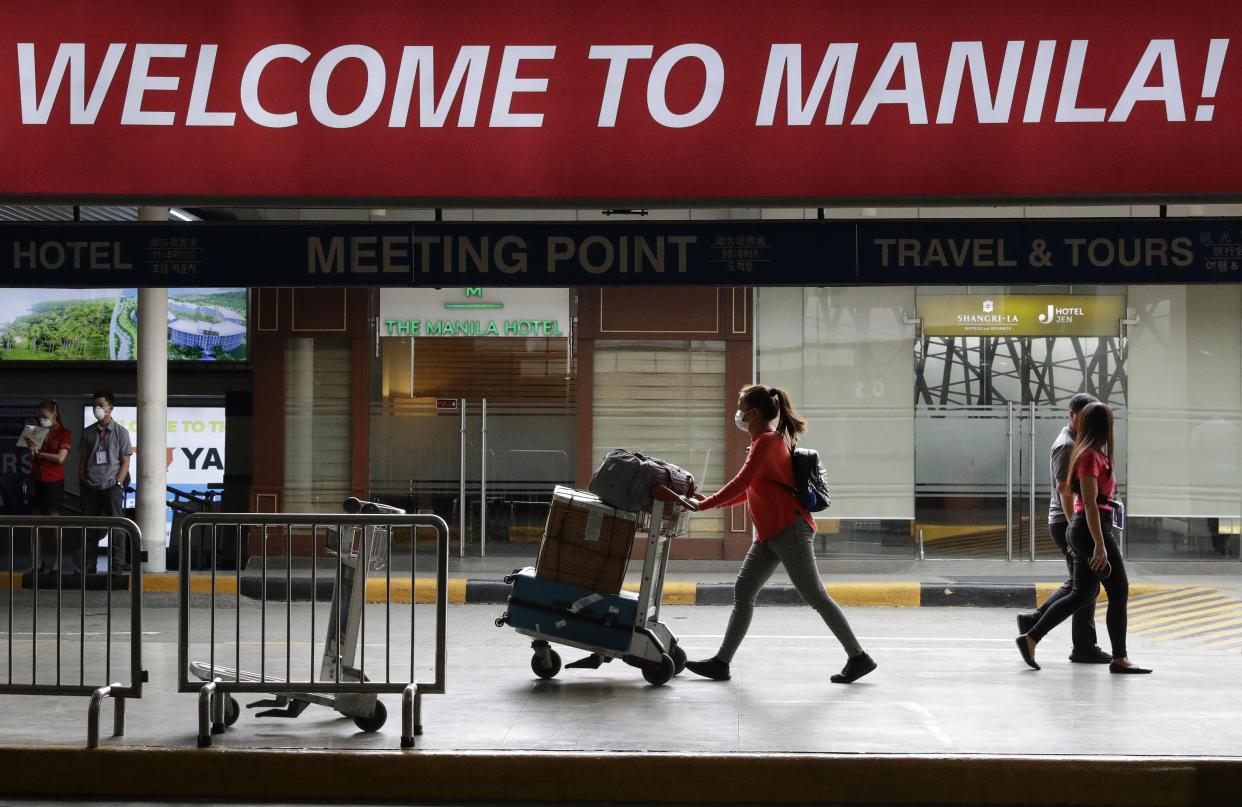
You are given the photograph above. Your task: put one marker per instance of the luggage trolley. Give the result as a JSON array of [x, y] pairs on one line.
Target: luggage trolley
[[341, 641], [609, 626]]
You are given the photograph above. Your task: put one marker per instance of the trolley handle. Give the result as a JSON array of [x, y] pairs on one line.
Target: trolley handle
[[666, 494]]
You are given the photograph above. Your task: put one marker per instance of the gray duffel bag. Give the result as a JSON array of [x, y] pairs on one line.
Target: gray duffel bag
[[625, 479]]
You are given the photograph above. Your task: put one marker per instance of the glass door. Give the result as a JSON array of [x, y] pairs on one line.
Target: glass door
[[513, 455], [962, 481], [478, 431], [987, 412]]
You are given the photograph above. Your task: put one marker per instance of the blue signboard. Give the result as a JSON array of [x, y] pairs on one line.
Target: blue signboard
[[515, 254]]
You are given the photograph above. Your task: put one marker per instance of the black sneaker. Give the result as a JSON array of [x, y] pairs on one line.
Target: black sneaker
[[87, 563], [712, 668], [1093, 656], [1026, 622], [855, 668]]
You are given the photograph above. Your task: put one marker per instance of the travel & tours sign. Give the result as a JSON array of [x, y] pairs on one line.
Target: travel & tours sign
[[547, 100]]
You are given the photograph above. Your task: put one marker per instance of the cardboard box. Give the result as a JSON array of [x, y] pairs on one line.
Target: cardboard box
[[585, 542]]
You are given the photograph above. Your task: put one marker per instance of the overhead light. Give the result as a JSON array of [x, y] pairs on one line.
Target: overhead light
[[180, 215]]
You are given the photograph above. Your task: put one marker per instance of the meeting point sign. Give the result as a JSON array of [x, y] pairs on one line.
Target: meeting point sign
[[547, 100]]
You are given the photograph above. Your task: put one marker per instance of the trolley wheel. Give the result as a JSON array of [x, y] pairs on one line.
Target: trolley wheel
[[679, 659], [661, 673], [508, 579], [548, 670], [232, 711], [375, 722], [502, 619]]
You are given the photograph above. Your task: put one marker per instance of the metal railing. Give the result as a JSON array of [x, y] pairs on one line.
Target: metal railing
[[37, 665], [259, 638]]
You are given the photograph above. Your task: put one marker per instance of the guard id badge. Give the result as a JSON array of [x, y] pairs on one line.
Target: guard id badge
[[101, 456], [1119, 516]]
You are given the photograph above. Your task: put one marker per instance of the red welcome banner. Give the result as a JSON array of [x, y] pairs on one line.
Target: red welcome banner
[[558, 100]]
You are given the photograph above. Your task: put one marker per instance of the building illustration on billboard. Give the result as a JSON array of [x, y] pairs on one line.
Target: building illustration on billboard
[[102, 324], [216, 330]]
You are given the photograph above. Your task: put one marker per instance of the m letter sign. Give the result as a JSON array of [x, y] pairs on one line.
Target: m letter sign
[[550, 100]]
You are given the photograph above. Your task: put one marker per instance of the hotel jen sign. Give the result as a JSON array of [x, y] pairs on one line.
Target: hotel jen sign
[[1020, 315], [544, 99]]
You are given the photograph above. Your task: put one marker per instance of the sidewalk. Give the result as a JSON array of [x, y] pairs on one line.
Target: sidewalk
[[952, 716]]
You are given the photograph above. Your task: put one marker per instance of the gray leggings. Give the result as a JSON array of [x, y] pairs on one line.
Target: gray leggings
[[793, 547]]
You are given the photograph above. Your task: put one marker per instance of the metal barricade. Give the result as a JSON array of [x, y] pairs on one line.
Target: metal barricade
[[43, 663], [329, 675]]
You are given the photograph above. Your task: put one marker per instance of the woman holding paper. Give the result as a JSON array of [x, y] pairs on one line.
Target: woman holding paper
[[47, 470]]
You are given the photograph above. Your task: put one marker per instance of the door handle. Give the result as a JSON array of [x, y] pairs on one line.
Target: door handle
[[917, 322]]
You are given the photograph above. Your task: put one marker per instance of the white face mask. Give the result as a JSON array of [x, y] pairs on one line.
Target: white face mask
[[100, 413], [45, 423], [738, 420]]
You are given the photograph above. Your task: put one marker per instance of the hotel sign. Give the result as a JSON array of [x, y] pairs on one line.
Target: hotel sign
[[1020, 314], [474, 311]]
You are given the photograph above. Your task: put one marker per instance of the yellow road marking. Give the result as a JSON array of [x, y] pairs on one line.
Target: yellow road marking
[[422, 589], [1173, 614], [1147, 629], [1174, 627], [1165, 596], [1202, 632], [1219, 639], [879, 594], [674, 593], [1145, 606]]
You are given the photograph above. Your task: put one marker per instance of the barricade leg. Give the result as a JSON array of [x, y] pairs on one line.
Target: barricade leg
[[92, 715], [217, 711], [118, 718], [205, 696], [411, 707]]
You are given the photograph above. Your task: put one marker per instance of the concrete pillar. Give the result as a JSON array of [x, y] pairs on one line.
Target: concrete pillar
[[152, 413]]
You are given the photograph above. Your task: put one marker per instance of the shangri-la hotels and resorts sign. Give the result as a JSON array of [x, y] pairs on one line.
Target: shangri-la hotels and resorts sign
[[1020, 315]]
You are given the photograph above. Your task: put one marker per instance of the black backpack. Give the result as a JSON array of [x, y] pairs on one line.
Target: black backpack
[[810, 485]]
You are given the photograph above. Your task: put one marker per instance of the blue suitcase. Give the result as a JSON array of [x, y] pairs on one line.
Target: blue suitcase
[[572, 615]]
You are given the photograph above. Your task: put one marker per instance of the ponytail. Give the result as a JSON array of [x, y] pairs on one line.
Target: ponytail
[[791, 424], [52, 406], [773, 404]]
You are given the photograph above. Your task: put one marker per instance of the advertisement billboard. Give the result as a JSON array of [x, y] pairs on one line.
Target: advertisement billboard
[[204, 324]]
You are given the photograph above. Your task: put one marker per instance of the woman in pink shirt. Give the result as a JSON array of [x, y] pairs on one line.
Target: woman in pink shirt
[[785, 531], [1090, 536]]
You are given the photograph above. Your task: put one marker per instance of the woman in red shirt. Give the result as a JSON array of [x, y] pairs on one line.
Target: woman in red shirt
[[1090, 536], [785, 531], [47, 468]]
